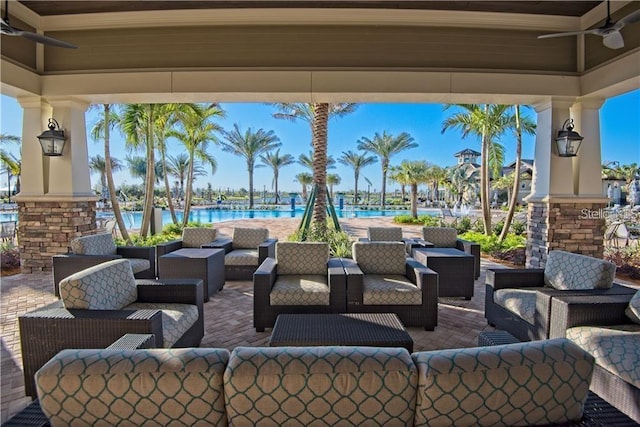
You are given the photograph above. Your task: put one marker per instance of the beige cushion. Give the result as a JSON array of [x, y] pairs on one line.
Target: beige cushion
[[248, 238], [519, 301], [176, 319], [302, 258], [242, 257], [300, 290], [441, 237], [390, 290], [134, 387], [97, 244], [380, 257], [385, 234], [139, 264], [633, 310], [106, 286], [195, 237], [569, 271]]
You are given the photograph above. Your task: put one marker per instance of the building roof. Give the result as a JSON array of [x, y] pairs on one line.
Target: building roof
[[467, 152]]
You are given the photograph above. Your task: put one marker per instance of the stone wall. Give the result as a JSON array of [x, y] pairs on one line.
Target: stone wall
[[571, 227], [46, 228]]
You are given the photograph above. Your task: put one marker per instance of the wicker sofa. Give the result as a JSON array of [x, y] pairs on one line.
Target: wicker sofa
[[101, 304], [318, 386], [520, 300], [608, 327]]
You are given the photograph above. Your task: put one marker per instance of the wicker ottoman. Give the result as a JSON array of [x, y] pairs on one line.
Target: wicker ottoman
[[194, 263], [487, 338], [455, 268]]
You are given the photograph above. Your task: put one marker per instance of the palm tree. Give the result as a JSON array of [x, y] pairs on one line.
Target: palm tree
[[333, 179], [137, 166], [13, 167], [99, 165], [305, 179], [437, 175], [306, 160], [412, 173], [249, 145], [462, 180], [487, 122], [356, 161], [276, 161], [178, 166], [395, 175], [102, 129], [385, 146], [164, 125], [317, 115], [519, 125], [196, 131]]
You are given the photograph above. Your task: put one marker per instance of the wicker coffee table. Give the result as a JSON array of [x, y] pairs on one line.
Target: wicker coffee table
[[357, 329]]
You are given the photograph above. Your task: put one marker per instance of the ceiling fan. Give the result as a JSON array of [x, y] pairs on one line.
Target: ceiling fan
[[8, 30], [610, 31]]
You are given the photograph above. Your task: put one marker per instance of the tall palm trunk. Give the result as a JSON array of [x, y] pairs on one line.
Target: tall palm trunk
[[167, 187], [275, 178], [250, 167], [385, 169], [188, 196], [355, 191], [414, 200], [115, 205], [320, 120], [513, 199], [484, 177], [150, 178]]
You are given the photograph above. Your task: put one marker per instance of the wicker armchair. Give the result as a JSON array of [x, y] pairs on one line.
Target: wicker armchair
[[380, 279], [245, 251], [300, 279], [192, 237], [101, 304], [98, 248], [447, 237], [390, 234]]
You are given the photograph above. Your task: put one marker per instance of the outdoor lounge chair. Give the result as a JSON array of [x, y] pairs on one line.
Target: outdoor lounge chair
[[300, 279], [381, 279], [192, 237], [389, 234], [101, 304], [447, 237], [95, 249]]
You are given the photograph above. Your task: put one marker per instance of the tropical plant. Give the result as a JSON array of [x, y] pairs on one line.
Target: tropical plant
[[249, 145], [462, 180], [437, 175], [412, 173], [356, 161], [305, 179], [333, 179], [487, 122], [12, 166], [195, 131], [163, 126], [137, 166], [99, 165], [276, 161], [386, 146], [306, 160]]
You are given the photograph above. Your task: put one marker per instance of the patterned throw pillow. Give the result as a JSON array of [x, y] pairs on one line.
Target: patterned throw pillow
[[248, 238], [380, 257], [441, 237], [633, 310], [385, 234], [569, 271], [302, 257], [195, 237], [97, 244], [106, 286]]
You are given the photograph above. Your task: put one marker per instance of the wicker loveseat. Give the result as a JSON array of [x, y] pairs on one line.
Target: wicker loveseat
[[101, 304], [512, 385], [520, 300]]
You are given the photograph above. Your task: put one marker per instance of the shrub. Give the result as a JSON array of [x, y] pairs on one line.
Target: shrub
[[463, 225], [9, 257], [518, 227], [626, 259], [426, 220], [491, 245], [339, 241]]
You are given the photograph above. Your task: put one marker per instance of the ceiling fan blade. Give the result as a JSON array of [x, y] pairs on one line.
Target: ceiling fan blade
[[613, 40], [39, 38], [630, 18], [570, 33]]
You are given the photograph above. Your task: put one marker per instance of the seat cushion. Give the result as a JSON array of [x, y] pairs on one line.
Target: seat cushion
[[139, 264], [533, 383], [615, 348], [441, 237], [195, 237], [380, 257], [97, 244], [176, 318], [314, 386], [567, 271], [106, 286], [390, 290], [633, 310], [300, 290], [384, 234], [248, 238], [134, 387], [521, 302], [302, 258], [242, 257]]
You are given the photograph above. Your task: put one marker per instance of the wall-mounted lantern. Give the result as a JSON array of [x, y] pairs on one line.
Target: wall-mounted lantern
[[52, 140], [568, 141]]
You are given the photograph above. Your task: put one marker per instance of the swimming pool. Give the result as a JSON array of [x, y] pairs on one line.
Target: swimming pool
[[211, 215]]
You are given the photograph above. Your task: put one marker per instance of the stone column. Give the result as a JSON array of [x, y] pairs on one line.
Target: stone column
[[566, 203], [55, 203]]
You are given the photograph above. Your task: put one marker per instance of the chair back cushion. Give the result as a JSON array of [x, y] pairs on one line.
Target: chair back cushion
[[633, 310], [302, 257], [106, 286], [248, 238], [441, 237], [533, 383], [134, 387], [195, 237], [380, 257], [569, 271], [329, 386], [384, 234], [96, 244]]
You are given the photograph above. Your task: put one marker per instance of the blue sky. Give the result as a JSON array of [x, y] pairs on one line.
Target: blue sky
[[620, 135]]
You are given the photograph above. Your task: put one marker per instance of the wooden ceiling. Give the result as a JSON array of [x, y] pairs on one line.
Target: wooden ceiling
[[562, 8]]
